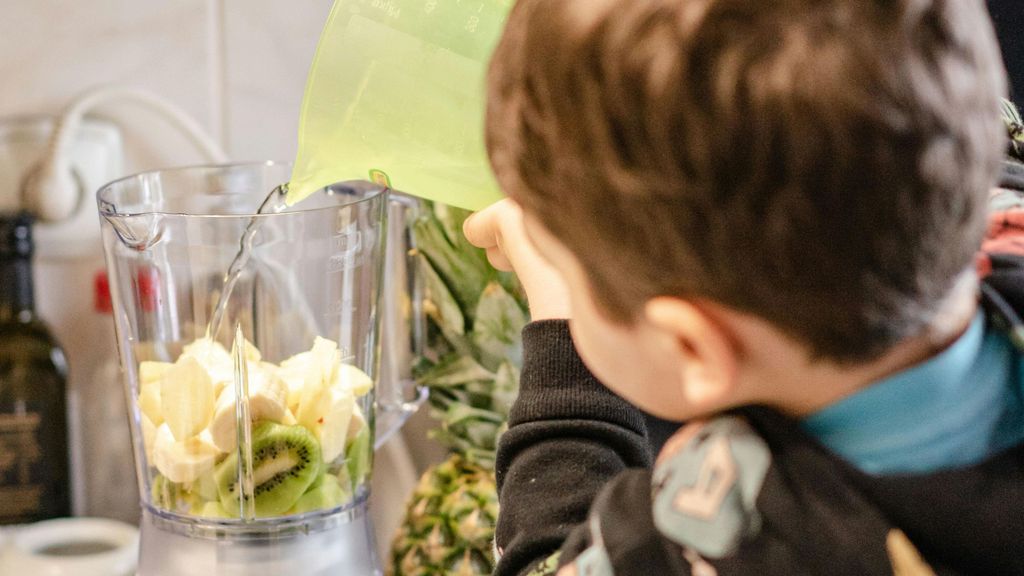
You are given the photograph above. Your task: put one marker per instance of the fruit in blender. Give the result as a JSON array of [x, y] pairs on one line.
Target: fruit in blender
[[183, 461], [331, 446], [268, 401], [186, 398], [285, 462], [324, 496]]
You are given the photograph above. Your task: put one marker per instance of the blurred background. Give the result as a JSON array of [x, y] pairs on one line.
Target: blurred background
[[238, 68], [1008, 16]]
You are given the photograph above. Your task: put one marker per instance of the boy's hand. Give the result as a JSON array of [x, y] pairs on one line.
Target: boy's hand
[[499, 230]]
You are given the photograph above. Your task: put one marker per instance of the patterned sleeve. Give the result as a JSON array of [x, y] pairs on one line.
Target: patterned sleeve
[[697, 508]]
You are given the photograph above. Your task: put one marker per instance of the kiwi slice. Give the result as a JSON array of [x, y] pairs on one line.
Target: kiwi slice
[[205, 487], [285, 462], [213, 510], [359, 458], [326, 495], [165, 494]]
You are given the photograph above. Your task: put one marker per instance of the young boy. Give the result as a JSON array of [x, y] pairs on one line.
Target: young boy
[[760, 218]]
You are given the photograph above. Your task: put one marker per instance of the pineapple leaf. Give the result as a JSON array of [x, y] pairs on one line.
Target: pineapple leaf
[[506, 388], [467, 428], [510, 282], [451, 220], [499, 320], [462, 415], [464, 270], [442, 308], [456, 370]]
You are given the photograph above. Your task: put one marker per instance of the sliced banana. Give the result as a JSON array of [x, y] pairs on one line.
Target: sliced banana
[[182, 461], [268, 400], [268, 396], [223, 430], [186, 398]]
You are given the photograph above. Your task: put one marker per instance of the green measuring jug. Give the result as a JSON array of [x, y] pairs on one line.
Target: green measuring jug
[[396, 95]]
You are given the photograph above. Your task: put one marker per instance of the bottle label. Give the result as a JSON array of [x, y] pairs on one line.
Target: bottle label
[[20, 488]]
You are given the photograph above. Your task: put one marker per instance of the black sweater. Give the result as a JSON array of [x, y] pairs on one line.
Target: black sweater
[[746, 493]]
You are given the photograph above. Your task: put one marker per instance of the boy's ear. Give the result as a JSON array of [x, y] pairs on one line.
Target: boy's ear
[[708, 358]]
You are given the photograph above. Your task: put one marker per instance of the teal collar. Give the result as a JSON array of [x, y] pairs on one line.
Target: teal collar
[[953, 410]]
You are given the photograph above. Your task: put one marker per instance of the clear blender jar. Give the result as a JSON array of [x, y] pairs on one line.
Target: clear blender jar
[[254, 440]]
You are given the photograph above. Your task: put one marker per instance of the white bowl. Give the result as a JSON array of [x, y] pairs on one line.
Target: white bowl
[[72, 547]]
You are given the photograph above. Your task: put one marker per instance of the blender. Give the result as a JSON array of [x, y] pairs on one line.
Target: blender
[[253, 440]]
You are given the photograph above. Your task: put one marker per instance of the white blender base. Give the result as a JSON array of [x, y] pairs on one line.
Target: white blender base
[[338, 544]]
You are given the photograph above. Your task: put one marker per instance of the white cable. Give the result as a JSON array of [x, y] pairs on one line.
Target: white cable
[[52, 195]]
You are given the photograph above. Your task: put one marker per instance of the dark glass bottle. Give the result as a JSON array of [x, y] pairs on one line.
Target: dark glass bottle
[[34, 477]]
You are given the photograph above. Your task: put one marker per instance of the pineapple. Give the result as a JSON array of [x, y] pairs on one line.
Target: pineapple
[[472, 369]]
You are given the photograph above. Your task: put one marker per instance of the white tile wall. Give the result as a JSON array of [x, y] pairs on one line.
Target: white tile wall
[[269, 45], [51, 50], [237, 66]]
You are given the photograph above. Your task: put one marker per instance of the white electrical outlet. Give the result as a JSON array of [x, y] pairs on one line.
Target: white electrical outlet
[[96, 156]]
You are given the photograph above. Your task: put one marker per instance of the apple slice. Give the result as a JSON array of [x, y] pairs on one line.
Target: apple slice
[[356, 423], [215, 359], [186, 398], [149, 402], [333, 427], [151, 372], [353, 379], [148, 437], [312, 403], [306, 371], [295, 371]]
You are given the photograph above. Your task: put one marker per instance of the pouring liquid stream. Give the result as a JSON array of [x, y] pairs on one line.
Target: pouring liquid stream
[[274, 203]]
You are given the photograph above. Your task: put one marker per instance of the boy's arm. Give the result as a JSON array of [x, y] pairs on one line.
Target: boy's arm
[[568, 436]]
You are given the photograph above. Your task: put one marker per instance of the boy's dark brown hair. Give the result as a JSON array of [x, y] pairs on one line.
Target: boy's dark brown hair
[[822, 164]]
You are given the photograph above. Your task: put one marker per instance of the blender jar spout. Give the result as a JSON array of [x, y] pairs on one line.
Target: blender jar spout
[[139, 232]]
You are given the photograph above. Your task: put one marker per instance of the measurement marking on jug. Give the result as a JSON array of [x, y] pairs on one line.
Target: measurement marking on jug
[[340, 263], [338, 308], [346, 250], [347, 242], [389, 7]]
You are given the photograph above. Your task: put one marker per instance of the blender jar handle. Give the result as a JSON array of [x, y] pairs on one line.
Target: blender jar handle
[[403, 333]]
